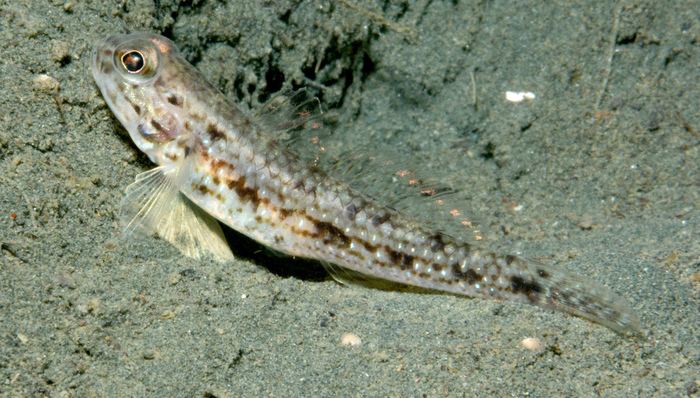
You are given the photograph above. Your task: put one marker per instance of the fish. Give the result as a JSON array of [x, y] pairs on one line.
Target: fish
[[216, 164]]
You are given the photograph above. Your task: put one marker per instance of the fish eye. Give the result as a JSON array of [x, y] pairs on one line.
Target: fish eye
[[133, 61]]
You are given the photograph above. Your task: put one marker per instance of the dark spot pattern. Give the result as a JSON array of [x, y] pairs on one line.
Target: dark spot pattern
[[350, 212], [470, 276], [204, 190], [403, 261], [246, 194], [215, 133], [437, 242], [527, 287], [379, 219], [174, 100], [284, 213], [332, 235]]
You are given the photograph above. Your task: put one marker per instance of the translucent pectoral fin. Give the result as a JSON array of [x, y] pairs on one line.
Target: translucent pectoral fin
[[194, 232], [154, 204], [147, 200]]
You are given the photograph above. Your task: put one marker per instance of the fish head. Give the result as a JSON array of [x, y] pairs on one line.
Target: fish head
[[137, 76]]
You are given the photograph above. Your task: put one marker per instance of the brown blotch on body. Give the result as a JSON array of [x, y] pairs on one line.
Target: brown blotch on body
[[527, 287], [403, 261], [470, 276], [244, 193], [284, 213], [380, 218], [204, 190], [369, 247], [331, 234], [175, 100], [218, 164], [437, 242], [396, 258], [543, 273], [215, 133]]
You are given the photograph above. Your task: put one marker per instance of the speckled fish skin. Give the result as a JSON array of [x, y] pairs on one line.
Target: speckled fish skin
[[260, 189]]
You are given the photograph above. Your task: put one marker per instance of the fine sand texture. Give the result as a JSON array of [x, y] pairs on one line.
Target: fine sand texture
[[598, 174]]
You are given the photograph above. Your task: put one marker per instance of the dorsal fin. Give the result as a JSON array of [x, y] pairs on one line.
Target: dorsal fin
[[287, 111], [398, 183], [294, 120]]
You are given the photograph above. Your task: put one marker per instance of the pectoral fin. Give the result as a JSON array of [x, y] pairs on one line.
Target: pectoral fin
[[193, 231], [154, 204]]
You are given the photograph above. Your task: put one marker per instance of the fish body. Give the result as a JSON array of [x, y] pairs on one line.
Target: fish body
[[225, 163]]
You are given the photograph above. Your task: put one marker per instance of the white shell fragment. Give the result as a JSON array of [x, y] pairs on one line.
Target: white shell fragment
[[531, 343], [512, 96], [350, 339]]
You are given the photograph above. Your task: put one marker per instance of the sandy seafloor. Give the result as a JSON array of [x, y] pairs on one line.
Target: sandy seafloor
[[609, 191]]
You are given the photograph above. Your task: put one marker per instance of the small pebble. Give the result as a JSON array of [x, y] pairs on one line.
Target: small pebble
[[60, 50], [350, 339], [45, 83], [531, 343], [22, 338], [174, 278], [167, 315], [655, 120]]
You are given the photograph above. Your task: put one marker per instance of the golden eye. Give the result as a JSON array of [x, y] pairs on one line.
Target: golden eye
[[133, 62]]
